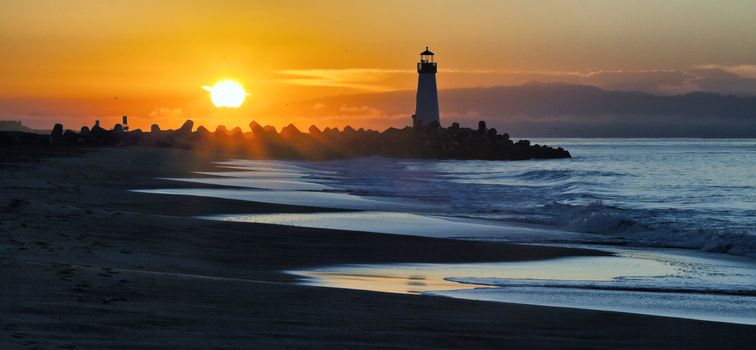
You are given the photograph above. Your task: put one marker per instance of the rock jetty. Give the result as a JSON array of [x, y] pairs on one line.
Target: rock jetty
[[433, 141]]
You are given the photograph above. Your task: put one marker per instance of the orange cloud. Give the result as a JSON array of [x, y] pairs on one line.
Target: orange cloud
[[355, 78]]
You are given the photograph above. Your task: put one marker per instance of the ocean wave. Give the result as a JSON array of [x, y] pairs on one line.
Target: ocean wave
[[594, 217], [636, 192], [642, 227], [617, 284], [727, 241], [561, 174]]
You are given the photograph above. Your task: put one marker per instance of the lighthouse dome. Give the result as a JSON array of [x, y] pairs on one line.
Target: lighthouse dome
[[426, 52]]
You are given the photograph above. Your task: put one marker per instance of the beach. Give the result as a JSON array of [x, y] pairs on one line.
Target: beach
[[87, 263]]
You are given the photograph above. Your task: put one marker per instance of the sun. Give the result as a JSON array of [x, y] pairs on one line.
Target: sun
[[227, 93]]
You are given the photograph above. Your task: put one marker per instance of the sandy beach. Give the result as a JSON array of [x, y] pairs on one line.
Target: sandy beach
[[87, 264]]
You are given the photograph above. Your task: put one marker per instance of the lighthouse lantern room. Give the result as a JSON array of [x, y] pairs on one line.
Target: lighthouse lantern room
[[426, 103]]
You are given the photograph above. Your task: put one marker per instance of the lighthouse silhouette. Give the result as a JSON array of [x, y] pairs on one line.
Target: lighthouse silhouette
[[426, 104]]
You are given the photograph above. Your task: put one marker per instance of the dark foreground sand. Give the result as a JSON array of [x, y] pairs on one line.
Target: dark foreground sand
[[86, 264]]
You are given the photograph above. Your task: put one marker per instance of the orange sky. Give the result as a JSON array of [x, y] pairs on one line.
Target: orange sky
[[76, 61]]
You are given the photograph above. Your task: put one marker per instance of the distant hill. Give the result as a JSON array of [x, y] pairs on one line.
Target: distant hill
[[15, 125], [555, 110]]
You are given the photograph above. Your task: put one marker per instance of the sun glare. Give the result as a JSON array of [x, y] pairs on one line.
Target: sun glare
[[226, 93]]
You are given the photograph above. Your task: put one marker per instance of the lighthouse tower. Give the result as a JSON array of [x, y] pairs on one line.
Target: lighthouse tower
[[426, 104]]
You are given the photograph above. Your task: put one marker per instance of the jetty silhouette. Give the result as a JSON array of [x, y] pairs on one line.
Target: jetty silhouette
[[430, 142]]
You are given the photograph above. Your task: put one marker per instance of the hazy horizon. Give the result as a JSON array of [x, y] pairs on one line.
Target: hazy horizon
[[573, 111]]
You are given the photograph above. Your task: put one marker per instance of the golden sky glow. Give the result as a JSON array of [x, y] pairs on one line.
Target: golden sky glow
[[77, 60]]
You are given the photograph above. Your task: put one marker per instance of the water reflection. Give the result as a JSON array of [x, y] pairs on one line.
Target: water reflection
[[664, 282], [383, 282]]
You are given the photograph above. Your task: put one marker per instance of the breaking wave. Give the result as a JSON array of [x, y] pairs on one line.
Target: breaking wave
[[616, 284], [637, 192]]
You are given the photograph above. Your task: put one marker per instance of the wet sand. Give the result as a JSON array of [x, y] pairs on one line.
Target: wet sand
[[85, 263]]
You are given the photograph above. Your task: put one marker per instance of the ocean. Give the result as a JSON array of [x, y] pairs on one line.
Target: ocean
[[680, 215], [698, 194]]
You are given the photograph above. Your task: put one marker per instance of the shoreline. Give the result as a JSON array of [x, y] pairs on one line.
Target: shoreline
[[632, 281], [95, 265]]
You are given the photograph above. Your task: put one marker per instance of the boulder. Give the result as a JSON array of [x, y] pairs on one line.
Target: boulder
[[314, 130], [56, 136], [433, 125], [98, 134], [101, 136], [185, 130], [133, 137], [290, 131], [523, 143], [271, 130], [236, 135], [255, 126], [70, 137], [257, 130]]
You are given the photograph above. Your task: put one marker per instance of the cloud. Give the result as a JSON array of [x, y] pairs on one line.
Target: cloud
[[167, 113], [355, 78], [163, 116], [360, 111], [735, 80], [741, 70]]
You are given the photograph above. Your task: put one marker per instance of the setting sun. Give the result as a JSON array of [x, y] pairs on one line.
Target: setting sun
[[226, 93]]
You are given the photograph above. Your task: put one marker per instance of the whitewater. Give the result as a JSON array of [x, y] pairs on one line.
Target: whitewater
[[697, 194]]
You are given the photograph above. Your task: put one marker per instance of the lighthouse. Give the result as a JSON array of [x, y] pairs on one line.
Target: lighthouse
[[426, 103]]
